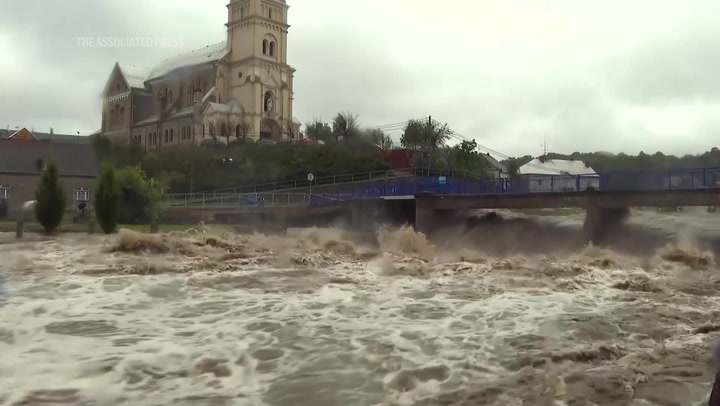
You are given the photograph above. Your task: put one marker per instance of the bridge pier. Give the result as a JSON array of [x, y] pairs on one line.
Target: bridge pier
[[424, 214], [601, 221]]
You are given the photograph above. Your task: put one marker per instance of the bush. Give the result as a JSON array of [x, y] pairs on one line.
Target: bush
[[107, 200], [50, 199], [139, 197]]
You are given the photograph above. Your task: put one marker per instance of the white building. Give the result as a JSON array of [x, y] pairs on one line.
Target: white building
[[558, 175]]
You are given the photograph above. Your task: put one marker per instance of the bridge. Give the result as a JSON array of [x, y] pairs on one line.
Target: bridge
[[424, 200]]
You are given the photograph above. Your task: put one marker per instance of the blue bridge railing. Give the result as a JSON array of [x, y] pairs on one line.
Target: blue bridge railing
[[708, 178]]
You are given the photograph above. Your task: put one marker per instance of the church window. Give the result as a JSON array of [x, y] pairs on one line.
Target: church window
[[265, 47], [122, 113], [271, 51], [270, 13], [171, 135], [182, 134]]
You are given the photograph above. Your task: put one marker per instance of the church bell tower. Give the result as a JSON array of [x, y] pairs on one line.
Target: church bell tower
[[257, 73]]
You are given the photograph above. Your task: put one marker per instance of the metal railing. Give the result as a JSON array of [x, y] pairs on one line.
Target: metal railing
[[692, 179], [330, 180], [244, 200]]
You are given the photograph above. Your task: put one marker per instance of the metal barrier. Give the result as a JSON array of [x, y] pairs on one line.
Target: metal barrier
[[237, 200], [442, 185], [341, 179]]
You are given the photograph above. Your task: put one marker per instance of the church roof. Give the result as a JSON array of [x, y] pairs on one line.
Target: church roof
[[208, 54], [135, 76]]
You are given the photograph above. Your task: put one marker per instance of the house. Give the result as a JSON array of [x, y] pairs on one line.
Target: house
[[23, 158], [556, 175], [51, 136], [497, 170], [241, 87]]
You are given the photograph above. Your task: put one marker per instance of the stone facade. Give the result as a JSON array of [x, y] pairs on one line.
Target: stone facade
[[239, 89]]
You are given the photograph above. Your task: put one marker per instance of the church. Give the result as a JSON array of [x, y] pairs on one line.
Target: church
[[238, 90]]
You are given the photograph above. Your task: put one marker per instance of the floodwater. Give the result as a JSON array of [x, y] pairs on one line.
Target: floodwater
[[503, 311]]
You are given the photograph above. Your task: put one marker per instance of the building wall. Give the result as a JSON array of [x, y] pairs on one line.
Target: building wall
[[22, 189], [559, 183]]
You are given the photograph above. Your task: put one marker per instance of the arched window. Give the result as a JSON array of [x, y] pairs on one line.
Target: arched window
[[171, 135], [154, 138], [270, 13], [265, 47], [272, 48], [187, 132], [122, 113]]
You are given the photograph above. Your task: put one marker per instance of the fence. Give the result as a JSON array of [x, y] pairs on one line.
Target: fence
[[324, 181], [444, 185], [237, 200]]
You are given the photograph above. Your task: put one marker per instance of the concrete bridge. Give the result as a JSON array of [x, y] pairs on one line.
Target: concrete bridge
[[424, 202]]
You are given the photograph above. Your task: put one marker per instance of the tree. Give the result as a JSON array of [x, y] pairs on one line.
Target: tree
[[50, 198], [425, 135], [379, 138], [139, 196], [513, 167], [242, 128], [292, 129], [345, 125], [107, 200], [317, 130]]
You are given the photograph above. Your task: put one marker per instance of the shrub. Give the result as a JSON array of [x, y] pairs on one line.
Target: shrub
[[107, 200], [139, 197], [50, 199]]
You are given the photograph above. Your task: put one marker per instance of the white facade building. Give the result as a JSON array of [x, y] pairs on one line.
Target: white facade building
[[558, 175]]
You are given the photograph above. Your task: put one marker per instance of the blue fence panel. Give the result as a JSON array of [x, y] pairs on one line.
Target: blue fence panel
[[613, 181]]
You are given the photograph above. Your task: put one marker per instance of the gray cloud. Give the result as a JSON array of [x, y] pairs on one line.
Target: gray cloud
[[609, 76]]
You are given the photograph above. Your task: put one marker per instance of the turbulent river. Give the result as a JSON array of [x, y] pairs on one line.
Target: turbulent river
[[500, 311]]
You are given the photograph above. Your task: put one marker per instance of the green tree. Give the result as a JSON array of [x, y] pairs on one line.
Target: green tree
[[427, 135], [139, 196], [317, 130], [379, 138], [345, 125], [107, 200], [50, 198]]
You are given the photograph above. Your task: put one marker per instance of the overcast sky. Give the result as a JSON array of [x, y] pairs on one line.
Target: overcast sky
[[611, 75]]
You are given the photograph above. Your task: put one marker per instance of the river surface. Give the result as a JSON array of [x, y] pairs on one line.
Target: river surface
[[482, 318]]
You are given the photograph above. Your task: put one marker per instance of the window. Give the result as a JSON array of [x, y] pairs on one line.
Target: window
[[265, 47], [4, 192], [166, 136], [182, 134], [170, 97], [82, 194], [122, 113], [272, 48], [171, 135], [154, 137]]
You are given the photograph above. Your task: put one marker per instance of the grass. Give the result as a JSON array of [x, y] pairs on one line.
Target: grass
[[33, 227]]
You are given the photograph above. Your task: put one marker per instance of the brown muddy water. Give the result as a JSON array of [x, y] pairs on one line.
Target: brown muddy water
[[502, 310]]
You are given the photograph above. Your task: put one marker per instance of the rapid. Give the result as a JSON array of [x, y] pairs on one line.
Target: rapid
[[496, 309]]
